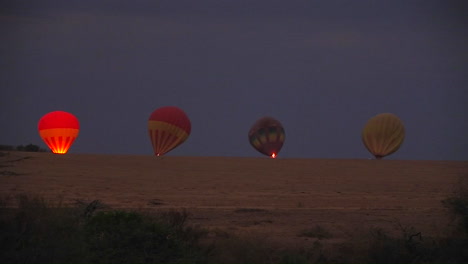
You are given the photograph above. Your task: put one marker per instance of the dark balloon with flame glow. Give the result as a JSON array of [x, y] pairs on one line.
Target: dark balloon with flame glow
[[59, 130], [267, 136], [168, 127], [383, 134]]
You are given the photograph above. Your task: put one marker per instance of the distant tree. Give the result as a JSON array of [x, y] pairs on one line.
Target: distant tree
[[6, 147], [31, 148], [20, 148]]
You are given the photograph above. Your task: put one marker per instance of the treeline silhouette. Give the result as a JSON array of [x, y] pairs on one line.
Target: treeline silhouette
[[26, 148]]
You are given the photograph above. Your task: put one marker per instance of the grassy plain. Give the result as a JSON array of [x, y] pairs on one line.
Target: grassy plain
[[298, 204]]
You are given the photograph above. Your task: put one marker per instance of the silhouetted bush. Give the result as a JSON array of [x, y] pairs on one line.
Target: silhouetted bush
[[6, 147], [20, 148], [30, 148], [457, 205], [27, 148], [130, 237], [37, 231], [40, 232], [318, 232]]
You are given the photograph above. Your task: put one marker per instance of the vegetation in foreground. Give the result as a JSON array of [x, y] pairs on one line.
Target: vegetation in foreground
[[37, 231]]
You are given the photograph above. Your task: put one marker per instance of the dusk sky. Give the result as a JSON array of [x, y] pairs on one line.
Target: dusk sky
[[322, 68]]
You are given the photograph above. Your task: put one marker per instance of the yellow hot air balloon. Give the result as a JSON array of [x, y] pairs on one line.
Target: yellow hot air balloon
[[383, 134], [168, 127]]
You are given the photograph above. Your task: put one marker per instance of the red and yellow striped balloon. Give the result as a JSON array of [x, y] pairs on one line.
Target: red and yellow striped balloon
[[383, 134], [59, 130], [168, 127], [267, 136]]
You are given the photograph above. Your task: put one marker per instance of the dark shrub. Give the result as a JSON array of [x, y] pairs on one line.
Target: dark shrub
[[31, 148], [457, 204], [6, 147], [130, 237], [37, 232]]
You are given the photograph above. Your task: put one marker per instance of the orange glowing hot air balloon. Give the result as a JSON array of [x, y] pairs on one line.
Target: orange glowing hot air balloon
[[59, 130], [168, 127], [267, 136]]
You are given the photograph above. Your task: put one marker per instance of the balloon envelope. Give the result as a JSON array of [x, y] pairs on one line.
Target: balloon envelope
[[168, 127], [383, 134], [267, 136], [59, 130]]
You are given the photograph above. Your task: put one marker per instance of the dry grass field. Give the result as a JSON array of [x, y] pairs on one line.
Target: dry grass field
[[275, 199]]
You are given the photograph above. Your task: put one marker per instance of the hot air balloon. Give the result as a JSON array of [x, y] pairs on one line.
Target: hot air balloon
[[168, 127], [267, 136], [59, 130], [383, 134]]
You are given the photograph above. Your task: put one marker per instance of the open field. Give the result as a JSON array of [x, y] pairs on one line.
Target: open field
[[272, 198]]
